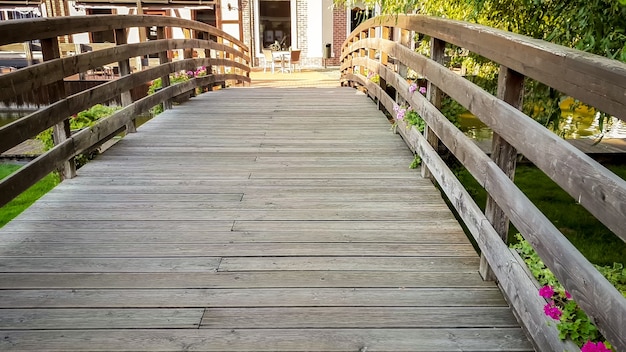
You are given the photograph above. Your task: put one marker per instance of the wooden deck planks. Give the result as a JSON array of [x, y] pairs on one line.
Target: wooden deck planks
[[249, 220]]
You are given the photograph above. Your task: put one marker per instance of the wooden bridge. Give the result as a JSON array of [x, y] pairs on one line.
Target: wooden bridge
[[263, 219]]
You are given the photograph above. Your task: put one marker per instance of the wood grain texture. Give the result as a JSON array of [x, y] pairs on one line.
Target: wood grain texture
[[287, 340], [266, 215]]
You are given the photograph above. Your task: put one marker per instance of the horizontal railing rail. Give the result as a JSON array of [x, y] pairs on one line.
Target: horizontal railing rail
[[380, 46], [225, 58]]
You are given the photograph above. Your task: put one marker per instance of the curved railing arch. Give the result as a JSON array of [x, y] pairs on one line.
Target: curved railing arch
[[226, 59], [594, 80]]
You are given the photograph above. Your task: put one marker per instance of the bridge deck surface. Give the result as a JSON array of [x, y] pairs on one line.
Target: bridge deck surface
[[252, 219]]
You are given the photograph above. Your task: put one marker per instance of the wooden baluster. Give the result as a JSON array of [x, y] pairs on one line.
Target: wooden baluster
[[29, 53], [362, 53], [384, 59], [219, 55], [56, 92], [163, 59], [207, 55], [404, 40], [371, 53], [124, 68], [434, 95], [511, 90]]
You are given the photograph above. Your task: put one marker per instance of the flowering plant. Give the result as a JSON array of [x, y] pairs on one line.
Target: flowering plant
[[595, 347], [199, 72], [414, 87], [572, 322], [372, 76]]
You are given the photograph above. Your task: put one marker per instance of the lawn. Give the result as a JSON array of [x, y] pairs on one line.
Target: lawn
[[592, 238], [24, 200]]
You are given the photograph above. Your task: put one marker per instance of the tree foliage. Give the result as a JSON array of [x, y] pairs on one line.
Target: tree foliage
[[595, 26]]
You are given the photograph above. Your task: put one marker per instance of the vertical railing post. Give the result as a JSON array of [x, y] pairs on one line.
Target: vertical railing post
[[362, 52], [230, 57], [403, 69], [371, 52], [207, 55], [349, 57], [434, 95], [124, 67], [56, 92], [384, 59], [220, 56], [510, 90], [163, 59]]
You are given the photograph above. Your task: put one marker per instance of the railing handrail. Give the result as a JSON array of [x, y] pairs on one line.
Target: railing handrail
[[596, 80], [226, 60], [595, 187], [22, 30]]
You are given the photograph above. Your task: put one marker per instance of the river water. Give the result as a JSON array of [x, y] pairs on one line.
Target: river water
[[580, 123]]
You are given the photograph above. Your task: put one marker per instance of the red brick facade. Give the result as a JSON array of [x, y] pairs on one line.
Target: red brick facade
[[340, 25]]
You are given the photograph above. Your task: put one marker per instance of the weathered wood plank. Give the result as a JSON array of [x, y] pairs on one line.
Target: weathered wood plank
[[82, 265], [253, 297], [358, 317], [258, 279], [287, 340], [439, 264], [432, 234], [82, 319], [145, 250], [267, 214]]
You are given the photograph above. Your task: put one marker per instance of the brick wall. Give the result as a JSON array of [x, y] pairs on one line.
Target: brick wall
[[340, 26], [247, 22], [302, 26]]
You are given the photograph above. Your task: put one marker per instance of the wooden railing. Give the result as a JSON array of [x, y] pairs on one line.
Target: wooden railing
[[381, 45], [226, 59]]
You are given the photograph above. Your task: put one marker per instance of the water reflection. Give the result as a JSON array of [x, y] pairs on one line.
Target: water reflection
[[578, 122]]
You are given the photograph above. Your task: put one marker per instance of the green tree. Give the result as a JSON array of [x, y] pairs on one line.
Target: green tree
[[595, 26]]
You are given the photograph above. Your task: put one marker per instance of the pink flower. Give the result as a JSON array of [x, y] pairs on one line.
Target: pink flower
[[370, 74], [423, 90], [552, 311], [594, 347], [546, 292], [399, 112], [412, 88], [568, 295]]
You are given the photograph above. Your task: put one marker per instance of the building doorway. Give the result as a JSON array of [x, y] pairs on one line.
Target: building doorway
[[275, 24], [359, 15]]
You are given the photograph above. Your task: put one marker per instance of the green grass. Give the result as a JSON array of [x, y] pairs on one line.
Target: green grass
[[597, 243], [24, 200]]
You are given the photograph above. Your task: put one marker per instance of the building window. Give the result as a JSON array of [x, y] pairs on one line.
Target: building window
[[103, 36], [207, 16], [19, 14]]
